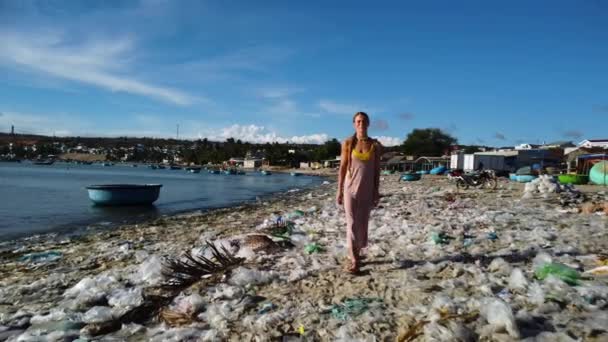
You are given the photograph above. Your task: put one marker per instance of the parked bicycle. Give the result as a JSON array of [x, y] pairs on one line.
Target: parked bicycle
[[483, 179]]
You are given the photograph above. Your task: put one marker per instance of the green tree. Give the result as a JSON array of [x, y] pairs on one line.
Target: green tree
[[428, 142]]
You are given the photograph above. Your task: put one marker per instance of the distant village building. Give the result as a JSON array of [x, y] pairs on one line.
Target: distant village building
[[603, 143], [252, 163]]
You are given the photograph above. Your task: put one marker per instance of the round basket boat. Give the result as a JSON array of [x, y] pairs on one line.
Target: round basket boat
[[124, 194], [439, 170], [526, 178], [599, 173], [410, 177], [573, 179]]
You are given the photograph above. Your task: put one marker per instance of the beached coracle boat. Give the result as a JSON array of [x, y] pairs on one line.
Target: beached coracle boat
[[124, 194], [526, 178], [573, 179], [599, 173], [410, 177], [439, 170]]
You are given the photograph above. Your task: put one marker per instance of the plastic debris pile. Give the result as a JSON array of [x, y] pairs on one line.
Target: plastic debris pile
[[440, 265]]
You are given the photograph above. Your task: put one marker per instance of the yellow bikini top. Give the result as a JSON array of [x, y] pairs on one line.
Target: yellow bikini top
[[363, 156]]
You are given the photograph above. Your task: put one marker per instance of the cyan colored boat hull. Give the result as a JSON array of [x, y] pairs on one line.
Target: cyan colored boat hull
[[526, 178], [513, 177], [124, 194], [439, 170], [599, 173], [409, 177]]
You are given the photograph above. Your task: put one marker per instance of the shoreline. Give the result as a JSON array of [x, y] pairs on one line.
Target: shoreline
[[76, 229], [403, 270]]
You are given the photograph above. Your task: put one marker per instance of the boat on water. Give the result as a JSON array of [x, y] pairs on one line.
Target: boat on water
[[295, 174], [44, 162], [266, 172], [107, 164], [152, 166], [123, 194], [175, 167], [214, 172], [229, 172], [193, 169]]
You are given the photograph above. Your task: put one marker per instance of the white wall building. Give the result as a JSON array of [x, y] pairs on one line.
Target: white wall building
[[603, 143]]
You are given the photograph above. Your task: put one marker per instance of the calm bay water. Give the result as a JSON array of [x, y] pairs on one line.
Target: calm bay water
[[48, 198]]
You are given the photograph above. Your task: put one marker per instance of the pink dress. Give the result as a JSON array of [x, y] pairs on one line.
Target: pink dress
[[359, 198]]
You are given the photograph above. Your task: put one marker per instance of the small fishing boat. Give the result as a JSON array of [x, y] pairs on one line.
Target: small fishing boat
[[295, 174], [573, 179], [526, 178], [44, 162], [230, 172], [422, 172], [599, 173], [266, 172], [153, 167], [410, 177], [240, 172], [214, 172], [439, 170], [175, 167], [513, 177], [107, 164], [193, 169], [123, 194]]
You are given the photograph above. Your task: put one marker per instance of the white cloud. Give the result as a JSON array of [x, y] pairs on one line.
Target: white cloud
[[102, 63], [389, 141], [339, 108], [259, 134]]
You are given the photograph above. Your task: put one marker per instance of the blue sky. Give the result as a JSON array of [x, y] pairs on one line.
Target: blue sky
[[493, 73]]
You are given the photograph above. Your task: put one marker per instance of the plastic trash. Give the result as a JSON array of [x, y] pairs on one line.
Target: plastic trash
[[301, 330], [568, 274], [499, 315], [294, 214], [313, 248], [351, 307], [517, 280], [266, 307], [41, 257], [441, 238]]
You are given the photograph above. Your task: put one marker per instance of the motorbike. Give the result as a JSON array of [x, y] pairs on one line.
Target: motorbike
[[482, 179]]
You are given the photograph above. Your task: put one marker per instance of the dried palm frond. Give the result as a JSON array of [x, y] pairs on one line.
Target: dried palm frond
[[176, 318], [188, 269]]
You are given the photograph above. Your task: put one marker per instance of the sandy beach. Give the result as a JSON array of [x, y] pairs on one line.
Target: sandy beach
[[442, 265]]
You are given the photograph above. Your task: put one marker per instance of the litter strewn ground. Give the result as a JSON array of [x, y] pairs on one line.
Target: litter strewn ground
[[495, 265]]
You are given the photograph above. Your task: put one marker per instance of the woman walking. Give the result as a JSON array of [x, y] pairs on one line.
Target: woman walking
[[358, 187]]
